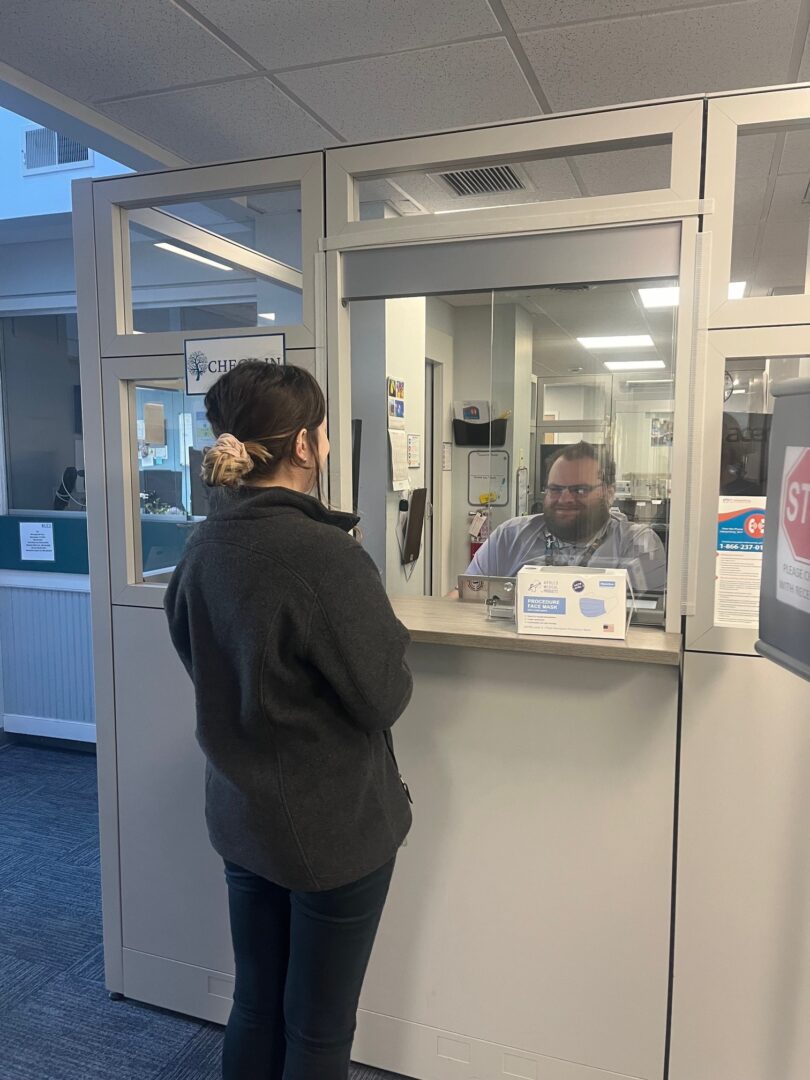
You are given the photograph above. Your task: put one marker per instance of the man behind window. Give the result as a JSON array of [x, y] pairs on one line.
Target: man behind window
[[578, 527]]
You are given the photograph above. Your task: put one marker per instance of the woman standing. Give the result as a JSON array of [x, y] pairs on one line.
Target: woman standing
[[297, 659]]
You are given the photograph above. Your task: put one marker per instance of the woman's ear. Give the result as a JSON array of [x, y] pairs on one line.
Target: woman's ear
[[302, 448]]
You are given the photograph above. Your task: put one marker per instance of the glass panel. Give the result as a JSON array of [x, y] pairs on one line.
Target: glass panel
[[171, 434], [604, 358], [771, 211], [578, 399], [743, 483], [220, 263], [43, 415], [469, 373], [572, 173]]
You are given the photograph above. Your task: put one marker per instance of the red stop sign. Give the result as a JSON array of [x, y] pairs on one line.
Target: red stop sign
[[796, 508]]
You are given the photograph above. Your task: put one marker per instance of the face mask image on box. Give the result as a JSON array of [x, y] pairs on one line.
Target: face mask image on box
[[591, 607]]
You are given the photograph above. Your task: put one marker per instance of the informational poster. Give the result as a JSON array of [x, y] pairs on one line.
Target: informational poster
[[202, 432], [793, 542], [488, 478], [396, 404], [738, 572], [36, 542], [414, 451], [399, 459], [208, 359]]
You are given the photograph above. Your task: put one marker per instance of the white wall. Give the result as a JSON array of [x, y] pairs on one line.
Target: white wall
[[405, 359], [440, 348]]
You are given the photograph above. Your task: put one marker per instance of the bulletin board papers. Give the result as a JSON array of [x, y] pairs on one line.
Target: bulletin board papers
[[414, 451], [399, 459], [488, 478], [738, 570], [36, 542]]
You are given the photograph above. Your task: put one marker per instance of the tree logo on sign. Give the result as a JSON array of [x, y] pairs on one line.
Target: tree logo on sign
[[197, 364]]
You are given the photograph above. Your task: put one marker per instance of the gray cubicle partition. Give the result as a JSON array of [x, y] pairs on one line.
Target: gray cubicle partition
[[784, 612]]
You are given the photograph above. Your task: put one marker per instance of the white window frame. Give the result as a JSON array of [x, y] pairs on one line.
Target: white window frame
[[682, 120], [702, 635], [114, 198], [726, 115]]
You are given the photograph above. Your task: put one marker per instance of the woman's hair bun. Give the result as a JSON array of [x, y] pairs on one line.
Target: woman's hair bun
[[227, 462]]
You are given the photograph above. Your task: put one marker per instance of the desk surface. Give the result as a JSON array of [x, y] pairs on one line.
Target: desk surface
[[449, 622]]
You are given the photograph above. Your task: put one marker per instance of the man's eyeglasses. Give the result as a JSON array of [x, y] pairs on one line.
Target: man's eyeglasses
[[579, 491]]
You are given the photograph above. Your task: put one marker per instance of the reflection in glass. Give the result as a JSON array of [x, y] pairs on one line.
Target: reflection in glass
[[171, 433], [219, 263], [747, 412], [771, 210]]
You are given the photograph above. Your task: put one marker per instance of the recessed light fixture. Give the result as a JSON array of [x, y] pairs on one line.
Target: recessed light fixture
[[634, 365], [664, 297], [271, 315], [192, 255], [622, 341], [736, 290]]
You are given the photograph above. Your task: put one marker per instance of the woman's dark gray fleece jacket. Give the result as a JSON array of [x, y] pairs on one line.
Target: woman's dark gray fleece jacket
[[298, 664]]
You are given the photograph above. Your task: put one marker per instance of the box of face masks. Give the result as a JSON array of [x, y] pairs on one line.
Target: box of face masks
[[572, 601]]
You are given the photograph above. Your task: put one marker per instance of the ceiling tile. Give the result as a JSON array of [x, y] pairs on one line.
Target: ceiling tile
[[217, 123], [533, 14], [749, 193], [95, 49], [612, 172], [788, 202], [754, 155], [796, 154], [666, 55], [783, 256], [286, 33], [448, 87]]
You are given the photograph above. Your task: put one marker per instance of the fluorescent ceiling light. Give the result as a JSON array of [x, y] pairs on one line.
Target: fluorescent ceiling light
[[736, 290], [137, 331], [739, 391], [271, 315], [192, 255], [634, 365], [626, 341], [660, 298]]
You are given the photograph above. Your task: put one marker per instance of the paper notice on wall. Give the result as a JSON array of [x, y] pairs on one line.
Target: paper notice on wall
[[36, 542], [738, 569], [154, 420], [399, 459]]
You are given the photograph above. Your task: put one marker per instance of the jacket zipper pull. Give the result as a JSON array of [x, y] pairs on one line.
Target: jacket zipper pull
[[406, 789]]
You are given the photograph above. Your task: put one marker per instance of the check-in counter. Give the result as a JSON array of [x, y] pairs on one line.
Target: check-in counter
[[528, 929]]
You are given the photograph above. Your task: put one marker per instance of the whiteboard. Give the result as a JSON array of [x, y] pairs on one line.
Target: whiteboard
[[488, 474]]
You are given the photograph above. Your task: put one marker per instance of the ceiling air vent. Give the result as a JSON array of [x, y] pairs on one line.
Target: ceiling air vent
[[45, 149], [489, 180]]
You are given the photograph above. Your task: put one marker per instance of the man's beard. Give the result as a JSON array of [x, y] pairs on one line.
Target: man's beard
[[583, 526]]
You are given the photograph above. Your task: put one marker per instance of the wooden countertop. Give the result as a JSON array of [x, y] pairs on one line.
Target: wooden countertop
[[449, 622]]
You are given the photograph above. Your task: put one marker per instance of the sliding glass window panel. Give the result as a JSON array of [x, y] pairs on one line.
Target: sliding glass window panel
[[522, 180], [171, 433], [603, 355], [771, 211], [216, 264]]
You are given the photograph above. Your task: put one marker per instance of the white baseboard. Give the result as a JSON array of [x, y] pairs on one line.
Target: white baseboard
[[73, 730]]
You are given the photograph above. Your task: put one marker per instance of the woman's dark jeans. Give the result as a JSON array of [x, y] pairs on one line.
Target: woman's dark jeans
[[301, 958]]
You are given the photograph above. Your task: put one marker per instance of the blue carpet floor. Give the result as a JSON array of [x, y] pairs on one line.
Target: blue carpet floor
[[56, 1020]]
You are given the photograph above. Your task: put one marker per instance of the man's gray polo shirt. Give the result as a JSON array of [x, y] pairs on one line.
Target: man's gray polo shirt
[[526, 540]]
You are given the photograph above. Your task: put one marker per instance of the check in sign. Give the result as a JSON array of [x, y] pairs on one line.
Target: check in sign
[[208, 359]]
